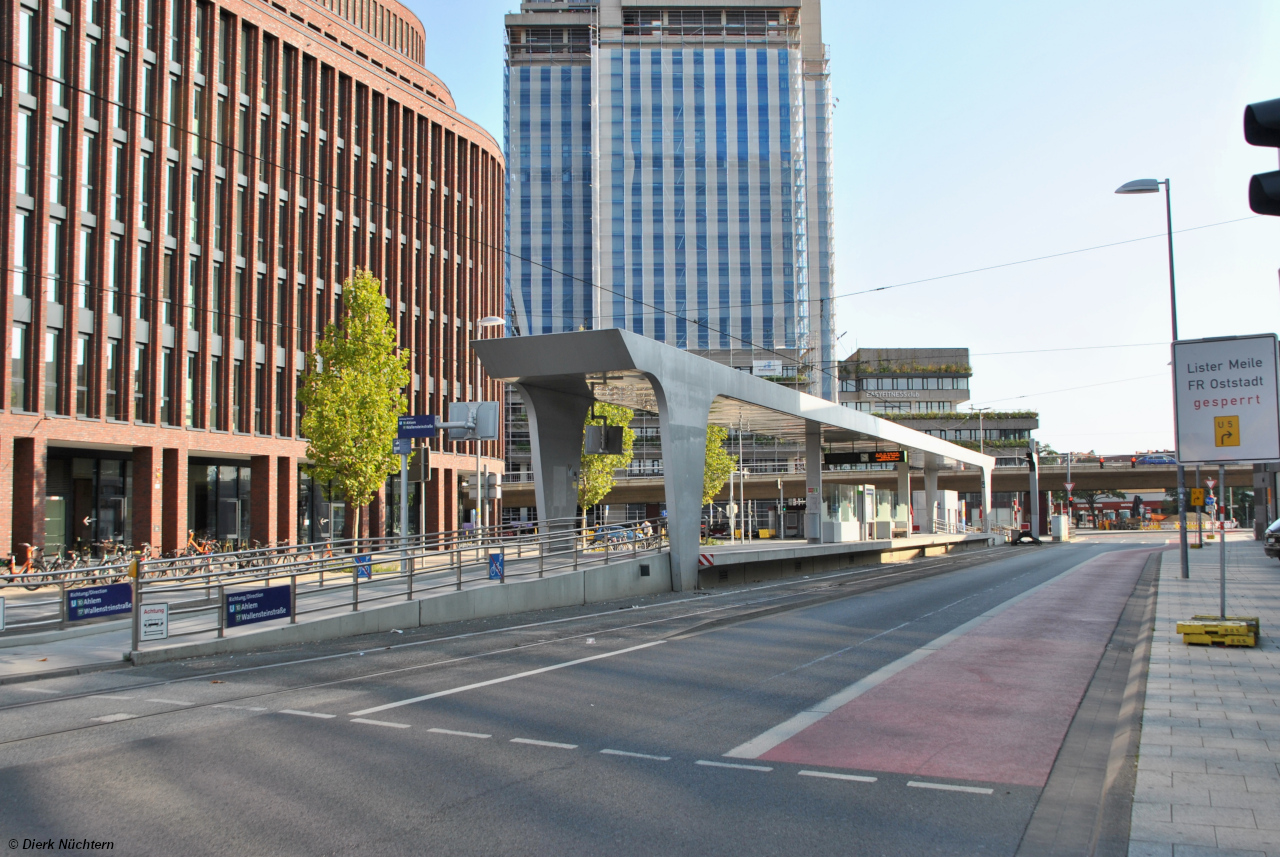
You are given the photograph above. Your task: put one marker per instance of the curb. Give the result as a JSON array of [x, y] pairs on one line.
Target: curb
[[39, 638], [83, 669]]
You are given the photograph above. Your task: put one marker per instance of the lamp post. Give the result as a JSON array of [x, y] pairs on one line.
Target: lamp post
[[481, 509], [982, 434], [1153, 186]]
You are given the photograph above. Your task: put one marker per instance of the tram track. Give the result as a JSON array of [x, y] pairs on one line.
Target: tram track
[[817, 590]]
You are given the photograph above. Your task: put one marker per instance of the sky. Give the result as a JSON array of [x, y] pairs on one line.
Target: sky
[[979, 134]]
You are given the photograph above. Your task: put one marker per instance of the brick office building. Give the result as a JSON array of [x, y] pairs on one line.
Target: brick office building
[[189, 185]]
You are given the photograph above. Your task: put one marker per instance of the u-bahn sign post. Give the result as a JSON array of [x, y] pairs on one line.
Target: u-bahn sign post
[[1226, 409]]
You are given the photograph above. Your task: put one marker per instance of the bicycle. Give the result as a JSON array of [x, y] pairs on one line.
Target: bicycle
[[34, 563]]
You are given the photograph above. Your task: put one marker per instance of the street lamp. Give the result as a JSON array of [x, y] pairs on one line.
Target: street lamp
[[482, 510], [1153, 186]]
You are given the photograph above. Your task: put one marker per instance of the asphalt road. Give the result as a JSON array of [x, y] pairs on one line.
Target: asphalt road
[[587, 731]]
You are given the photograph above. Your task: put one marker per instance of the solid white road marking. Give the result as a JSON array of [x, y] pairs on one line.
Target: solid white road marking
[[945, 787], [504, 678], [732, 765], [830, 776], [307, 714], [440, 731], [112, 718], [544, 743], [636, 755], [766, 741], [169, 701], [381, 723]]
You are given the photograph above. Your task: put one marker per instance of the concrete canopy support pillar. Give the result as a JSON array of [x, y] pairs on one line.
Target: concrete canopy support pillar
[[147, 501], [28, 493], [556, 419], [683, 409], [813, 481], [987, 473], [264, 500], [287, 486], [930, 497], [904, 489], [174, 500]]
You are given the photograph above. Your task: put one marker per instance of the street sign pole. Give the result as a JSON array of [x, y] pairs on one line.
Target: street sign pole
[[404, 509], [1222, 550]]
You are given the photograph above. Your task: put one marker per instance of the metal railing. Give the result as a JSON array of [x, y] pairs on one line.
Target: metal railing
[[329, 576]]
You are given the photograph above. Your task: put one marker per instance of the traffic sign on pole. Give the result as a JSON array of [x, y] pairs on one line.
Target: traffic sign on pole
[[1211, 482], [417, 425], [1070, 486]]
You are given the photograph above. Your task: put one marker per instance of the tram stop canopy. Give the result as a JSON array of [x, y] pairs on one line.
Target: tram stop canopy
[[559, 375]]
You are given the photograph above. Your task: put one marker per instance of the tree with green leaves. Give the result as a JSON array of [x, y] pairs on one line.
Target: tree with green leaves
[[352, 396], [597, 479], [719, 464]]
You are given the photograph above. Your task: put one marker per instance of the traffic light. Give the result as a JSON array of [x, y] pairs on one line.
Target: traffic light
[[1262, 128]]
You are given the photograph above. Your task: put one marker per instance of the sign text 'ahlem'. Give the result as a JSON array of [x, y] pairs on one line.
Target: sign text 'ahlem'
[[257, 605], [92, 602], [1225, 399]]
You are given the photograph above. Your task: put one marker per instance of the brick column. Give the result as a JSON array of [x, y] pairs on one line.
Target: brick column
[[263, 499], [377, 513], [287, 489], [174, 499], [28, 492], [147, 501], [6, 495], [433, 496], [449, 489]]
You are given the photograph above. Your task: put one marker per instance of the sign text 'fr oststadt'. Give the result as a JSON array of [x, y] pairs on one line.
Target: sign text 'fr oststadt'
[[1225, 399]]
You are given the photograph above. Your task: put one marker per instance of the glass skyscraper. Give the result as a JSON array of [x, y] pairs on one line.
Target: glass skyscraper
[[668, 172]]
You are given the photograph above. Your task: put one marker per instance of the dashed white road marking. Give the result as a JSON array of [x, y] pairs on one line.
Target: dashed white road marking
[[111, 696], [169, 701], [636, 755], [947, 787], [23, 687], [239, 707], [502, 679], [537, 743], [853, 778], [307, 713], [112, 718], [440, 731], [764, 768], [381, 723]]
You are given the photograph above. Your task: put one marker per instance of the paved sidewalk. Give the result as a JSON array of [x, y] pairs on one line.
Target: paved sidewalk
[[1209, 762]]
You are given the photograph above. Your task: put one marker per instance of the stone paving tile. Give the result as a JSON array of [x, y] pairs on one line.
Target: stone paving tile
[[1210, 749]]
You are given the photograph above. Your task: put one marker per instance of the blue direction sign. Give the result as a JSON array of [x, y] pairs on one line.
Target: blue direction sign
[[497, 567], [402, 446], [417, 425], [364, 566], [90, 602], [257, 605]]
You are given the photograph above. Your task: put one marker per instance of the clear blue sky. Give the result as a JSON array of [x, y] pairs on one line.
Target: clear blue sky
[[977, 134]]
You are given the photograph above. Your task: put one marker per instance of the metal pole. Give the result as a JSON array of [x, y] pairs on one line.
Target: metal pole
[[1222, 548], [293, 599], [1183, 540], [1199, 514], [404, 513]]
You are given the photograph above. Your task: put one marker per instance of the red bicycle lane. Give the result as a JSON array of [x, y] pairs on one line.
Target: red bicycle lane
[[992, 705]]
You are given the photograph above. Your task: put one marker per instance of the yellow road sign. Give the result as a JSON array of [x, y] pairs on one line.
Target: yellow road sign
[[1226, 431], [1197, 496]]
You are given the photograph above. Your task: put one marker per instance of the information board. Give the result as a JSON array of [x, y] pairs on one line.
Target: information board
[[1225, 399], [416, 425], [92, 602], [155, 622], [879, 456], [257, 605]]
